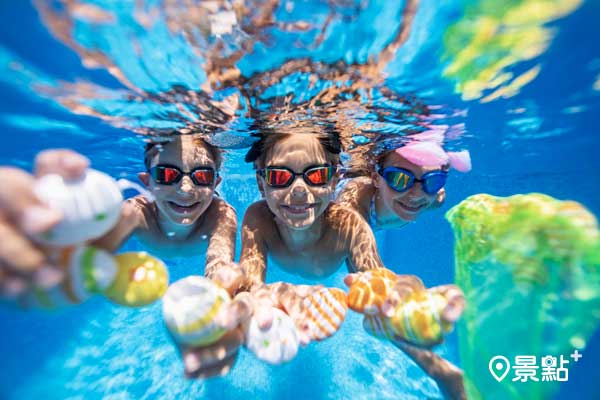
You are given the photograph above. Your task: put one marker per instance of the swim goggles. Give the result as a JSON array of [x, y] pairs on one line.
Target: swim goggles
[[165, 174], [401, 179], [282, 177]]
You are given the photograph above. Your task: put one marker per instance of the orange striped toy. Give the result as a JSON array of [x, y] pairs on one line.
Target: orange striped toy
[[325, 312], [371, 289]]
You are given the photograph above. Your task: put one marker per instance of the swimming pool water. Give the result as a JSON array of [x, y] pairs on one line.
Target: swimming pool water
[[542, 139]]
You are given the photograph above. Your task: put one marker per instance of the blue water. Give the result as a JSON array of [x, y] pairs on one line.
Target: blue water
[[542, 139]]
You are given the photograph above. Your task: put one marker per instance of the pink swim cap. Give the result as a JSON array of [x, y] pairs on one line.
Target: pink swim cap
[[431, 154]]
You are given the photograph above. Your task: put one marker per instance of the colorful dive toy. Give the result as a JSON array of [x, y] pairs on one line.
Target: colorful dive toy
[[529, 266], [91, 206], [325, 311], [371, 289], [190, 307], [129, 279], [417, 319], [277, 344]]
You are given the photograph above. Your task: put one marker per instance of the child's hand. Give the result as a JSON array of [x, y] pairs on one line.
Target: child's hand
[[399, 307], [230, 277], [218, 358], [24, 264]]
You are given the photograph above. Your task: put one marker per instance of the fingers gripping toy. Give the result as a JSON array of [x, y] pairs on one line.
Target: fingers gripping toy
[[416, 319], [190, 309], [91, 206]]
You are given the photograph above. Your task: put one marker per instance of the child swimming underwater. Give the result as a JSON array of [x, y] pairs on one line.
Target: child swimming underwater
[[185, 217], [303, 231], [406, 182]]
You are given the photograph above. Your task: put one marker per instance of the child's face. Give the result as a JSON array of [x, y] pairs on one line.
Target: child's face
[[412, 202], [298, 205], [183, 202]]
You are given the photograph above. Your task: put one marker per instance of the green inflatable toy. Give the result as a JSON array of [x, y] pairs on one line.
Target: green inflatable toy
[[529, 266]]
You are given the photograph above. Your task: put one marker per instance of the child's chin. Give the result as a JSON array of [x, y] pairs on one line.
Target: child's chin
[[299, 224]]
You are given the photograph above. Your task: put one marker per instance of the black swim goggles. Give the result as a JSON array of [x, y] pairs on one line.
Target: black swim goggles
[[401, 179], [282, 177], [165, 174]]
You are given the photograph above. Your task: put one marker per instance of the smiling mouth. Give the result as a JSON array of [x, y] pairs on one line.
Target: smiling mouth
[[183, 208], [411, 208], [298, 209]]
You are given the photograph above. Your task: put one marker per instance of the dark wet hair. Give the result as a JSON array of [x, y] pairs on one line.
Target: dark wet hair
[[327, 135], [152, 148]]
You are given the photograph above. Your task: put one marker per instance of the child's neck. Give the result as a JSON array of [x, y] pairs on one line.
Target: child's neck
[[173, 230], [298, 239]]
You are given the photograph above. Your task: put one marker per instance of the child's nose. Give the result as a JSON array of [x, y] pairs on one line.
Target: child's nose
[[186, 185], [299, 188]]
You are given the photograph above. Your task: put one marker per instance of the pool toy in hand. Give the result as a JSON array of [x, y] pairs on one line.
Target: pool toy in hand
[[129, 279], [190, 307], [276, 344], [417, 320], [325, 312], [91, 206]]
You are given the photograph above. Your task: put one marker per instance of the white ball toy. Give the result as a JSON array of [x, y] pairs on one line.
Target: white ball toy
[[189, 310], [91, 206], [277, 344]]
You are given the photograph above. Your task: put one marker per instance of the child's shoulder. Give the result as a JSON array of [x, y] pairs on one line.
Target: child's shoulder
[[357, 194], [259, 208], [258, 213]]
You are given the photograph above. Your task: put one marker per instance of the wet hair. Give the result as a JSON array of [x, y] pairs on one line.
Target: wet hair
[[151, 150], [327, 135]]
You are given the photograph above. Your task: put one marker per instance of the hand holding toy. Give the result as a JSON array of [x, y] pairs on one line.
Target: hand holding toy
[[91, 205], [401, 307]]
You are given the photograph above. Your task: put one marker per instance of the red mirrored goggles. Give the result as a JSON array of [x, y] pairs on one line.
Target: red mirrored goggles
[[282, 177], [169, 174]]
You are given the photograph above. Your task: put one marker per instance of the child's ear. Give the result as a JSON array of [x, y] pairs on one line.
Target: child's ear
[[261, 188], [219, 179], [144, 177]]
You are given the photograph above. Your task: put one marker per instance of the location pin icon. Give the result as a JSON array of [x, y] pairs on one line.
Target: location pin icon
[[499, 367]]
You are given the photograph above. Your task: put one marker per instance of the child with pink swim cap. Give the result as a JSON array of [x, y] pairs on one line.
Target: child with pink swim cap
[[406, 182]]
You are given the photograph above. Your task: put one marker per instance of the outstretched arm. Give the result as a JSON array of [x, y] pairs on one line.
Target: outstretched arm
[[221, 247], [358, 239], [448, 376], [254, 247]]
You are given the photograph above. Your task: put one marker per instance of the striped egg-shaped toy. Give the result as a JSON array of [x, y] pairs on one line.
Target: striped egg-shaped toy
[[87, 270], [190, 307], [91, 206], [276, 344], [418, 319], [371, 289], [325, 311]]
